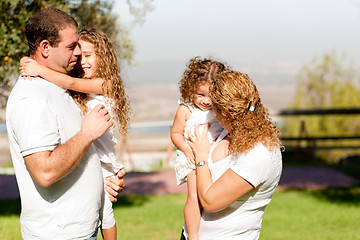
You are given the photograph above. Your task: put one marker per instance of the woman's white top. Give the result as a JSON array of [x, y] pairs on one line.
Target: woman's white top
[[242, 219]]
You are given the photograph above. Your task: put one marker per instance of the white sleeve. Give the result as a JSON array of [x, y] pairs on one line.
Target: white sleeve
[[35, 126], [253, 166]]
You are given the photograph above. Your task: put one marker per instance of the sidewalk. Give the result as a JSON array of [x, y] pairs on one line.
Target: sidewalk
[[159, 183]]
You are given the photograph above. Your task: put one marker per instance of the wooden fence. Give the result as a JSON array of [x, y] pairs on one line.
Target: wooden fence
[[312, 141]]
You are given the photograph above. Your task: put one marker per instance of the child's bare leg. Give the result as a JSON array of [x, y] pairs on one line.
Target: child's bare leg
[[192, 211], [109, 234]]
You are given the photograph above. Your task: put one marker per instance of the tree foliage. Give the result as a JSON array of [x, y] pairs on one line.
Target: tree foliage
[[328, 82], [88, 13]]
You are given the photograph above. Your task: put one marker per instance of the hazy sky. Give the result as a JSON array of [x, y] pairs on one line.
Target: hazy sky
[[260, 37]]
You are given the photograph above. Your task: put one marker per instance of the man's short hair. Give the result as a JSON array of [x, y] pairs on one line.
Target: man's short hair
[[46, 24]]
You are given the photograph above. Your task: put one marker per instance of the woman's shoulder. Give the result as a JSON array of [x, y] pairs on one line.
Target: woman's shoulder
[[265, 155], [259, 152], [258, 165]]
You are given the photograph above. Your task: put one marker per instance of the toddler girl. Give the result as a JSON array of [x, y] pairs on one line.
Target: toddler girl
[[100, 72], [195, 108]]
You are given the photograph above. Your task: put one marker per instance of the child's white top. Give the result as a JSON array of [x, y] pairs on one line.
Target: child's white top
[[182, 167], [201, 117], [105, 145]]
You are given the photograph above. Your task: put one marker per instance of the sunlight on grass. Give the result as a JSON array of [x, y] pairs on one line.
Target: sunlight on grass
[[330, 214], [296, 214], [150, 217]]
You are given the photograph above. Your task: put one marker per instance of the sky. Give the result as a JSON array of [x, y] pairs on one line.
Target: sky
[[271, 40]]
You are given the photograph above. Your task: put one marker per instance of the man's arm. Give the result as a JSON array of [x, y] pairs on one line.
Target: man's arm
[[48, 167]]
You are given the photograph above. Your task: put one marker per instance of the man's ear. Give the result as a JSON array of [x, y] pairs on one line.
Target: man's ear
[[44, 47]]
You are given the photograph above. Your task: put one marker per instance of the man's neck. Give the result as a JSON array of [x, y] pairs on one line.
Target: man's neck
[[39, 59]]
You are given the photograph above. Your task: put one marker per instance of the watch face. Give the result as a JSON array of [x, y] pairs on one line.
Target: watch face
[[202, 163]]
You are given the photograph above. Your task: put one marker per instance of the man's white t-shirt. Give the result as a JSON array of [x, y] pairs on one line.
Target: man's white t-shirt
[[39, 117], [242, 219]]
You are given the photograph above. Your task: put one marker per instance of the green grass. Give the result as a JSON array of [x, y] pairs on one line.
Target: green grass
[[303, 214], [9, 219], [292, 214], [150, 217]]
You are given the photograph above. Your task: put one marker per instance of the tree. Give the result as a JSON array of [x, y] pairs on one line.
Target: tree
[[88, 13], [328, 82]]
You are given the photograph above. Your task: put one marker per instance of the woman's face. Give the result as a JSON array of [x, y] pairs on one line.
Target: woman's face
[[201, 97], [88, 59], [224, 122]]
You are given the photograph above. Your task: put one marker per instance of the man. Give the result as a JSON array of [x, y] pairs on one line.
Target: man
[[57, 168]]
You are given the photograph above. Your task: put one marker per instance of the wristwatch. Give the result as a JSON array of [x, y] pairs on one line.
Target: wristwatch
[[201, 163]]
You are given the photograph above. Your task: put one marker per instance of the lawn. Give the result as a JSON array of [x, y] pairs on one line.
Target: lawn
[[293, 214]]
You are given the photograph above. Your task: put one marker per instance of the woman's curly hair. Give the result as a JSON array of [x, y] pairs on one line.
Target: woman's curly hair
[[108, 68], [198, 71], [231, 93]]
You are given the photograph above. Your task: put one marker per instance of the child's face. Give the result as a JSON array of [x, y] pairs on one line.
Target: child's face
[[201, 97], [88, 59]]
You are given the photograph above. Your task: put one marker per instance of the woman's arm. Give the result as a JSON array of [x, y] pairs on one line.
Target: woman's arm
[[177, 132], [228, 188], [29, 67], [220, 194]]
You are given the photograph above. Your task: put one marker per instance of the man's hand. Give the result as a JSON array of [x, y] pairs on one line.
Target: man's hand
[[96, 122], [114, 185]]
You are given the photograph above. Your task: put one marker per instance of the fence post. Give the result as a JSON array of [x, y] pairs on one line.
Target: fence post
[[314, 149]]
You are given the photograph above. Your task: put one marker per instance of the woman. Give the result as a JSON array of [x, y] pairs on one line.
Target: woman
[[236, 176]]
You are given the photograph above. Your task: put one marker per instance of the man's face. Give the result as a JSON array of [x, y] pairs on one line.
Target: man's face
[[63, 57]]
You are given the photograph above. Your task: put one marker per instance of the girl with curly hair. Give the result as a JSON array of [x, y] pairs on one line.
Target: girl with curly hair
[[238, 174], [100, 82], [195, 108]]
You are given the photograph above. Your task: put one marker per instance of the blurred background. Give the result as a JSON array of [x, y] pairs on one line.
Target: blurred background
[[303, 55]]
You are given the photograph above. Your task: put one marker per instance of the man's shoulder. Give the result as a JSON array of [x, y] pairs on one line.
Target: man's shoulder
[[35, 88]]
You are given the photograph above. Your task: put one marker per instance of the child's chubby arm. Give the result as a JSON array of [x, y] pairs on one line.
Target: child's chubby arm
[[30, 67], [177, 132]]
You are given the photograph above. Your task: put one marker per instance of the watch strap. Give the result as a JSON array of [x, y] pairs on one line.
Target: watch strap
[[201, 163]]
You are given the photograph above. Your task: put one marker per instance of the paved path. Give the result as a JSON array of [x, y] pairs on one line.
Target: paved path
[[164, 182], [313, 178]]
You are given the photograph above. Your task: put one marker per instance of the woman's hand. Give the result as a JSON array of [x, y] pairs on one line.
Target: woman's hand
[[189, 155], [200, 144]]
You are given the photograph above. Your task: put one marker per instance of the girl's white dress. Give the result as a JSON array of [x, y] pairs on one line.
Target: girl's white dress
[[182, 167], [105, 147]]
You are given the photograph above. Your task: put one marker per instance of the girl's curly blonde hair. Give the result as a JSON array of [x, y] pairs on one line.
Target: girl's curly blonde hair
[[108, 69], [198, 71], [231, 93]]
